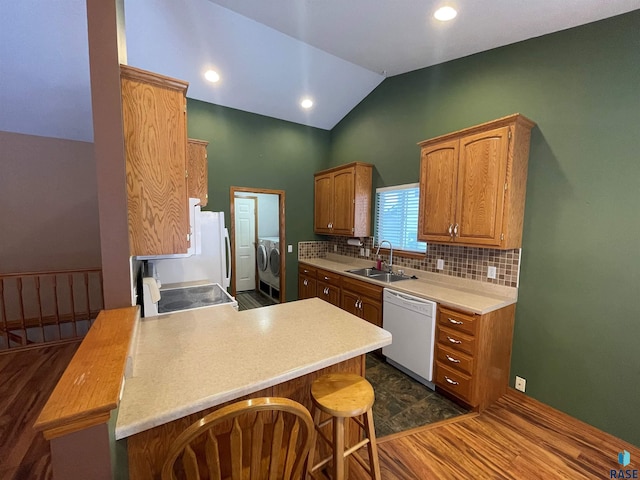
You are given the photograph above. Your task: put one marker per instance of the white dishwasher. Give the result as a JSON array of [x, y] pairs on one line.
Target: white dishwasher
[[412, 323]]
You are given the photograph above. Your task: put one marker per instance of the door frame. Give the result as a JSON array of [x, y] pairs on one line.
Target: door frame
[[281, 220]]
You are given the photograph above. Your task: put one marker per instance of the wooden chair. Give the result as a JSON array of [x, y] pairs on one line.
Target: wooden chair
[[259, 439]]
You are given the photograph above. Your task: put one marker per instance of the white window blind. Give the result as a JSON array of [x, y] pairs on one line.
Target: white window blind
[[397, 217]]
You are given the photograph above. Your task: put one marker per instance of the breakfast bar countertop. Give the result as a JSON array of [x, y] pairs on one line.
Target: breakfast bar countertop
[[470, 295], [189, 361]]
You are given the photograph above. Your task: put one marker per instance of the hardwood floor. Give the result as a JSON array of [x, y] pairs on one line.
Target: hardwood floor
[[28, 378], [516, 438]]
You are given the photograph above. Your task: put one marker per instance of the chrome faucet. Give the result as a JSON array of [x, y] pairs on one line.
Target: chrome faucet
[[390, 253]]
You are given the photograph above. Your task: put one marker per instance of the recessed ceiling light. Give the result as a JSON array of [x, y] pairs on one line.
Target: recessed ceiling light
[[212, 76], [306, 103], [445, 14]]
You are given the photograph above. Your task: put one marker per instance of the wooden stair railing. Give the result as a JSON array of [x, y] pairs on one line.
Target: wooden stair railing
[[48, 307]]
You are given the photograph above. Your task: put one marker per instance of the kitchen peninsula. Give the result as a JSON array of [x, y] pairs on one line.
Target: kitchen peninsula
[[190, 363]]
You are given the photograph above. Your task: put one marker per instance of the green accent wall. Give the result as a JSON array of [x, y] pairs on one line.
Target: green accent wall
[[577, 332], [249, 150]]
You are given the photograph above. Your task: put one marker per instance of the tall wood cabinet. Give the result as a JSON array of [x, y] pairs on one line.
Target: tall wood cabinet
[[473, 184], [197, 179], [343, 200], [155, 131]]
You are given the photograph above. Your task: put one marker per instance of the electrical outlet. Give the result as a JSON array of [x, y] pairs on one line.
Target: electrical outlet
[[491, 272], [290, 248], [367, 252], [362, 252], [521, 384], [440, 264]]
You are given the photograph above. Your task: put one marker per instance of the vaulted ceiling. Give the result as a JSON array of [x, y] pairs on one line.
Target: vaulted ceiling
[[269, 54]]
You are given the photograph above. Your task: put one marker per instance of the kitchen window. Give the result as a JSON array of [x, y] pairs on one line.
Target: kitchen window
[[397, 217]]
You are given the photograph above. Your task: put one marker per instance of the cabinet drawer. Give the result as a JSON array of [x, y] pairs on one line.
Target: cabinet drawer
[[456, 340], [362, 288], [458, 321], [308, 270], [455, 382], [451, 358], [327, 277]]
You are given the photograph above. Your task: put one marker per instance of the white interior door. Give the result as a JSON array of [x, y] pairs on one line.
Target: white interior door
[[245, 247]]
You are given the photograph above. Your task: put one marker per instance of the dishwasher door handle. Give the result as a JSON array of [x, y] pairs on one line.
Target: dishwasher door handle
[[409, 299]]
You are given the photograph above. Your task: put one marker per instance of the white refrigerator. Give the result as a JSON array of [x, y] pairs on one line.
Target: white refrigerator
[[210, 263]]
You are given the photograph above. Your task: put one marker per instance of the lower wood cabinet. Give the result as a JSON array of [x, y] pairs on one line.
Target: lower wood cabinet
[[473, 354], [328, 286], [362, 299], [306, 282]]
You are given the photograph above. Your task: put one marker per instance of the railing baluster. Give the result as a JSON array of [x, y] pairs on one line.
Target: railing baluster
[[55, 298], [73, 305], [37, 280], [22, 324], [86, 291], [5, 327]]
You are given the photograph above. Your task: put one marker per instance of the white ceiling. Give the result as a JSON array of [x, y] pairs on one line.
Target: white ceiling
[[269, 53]]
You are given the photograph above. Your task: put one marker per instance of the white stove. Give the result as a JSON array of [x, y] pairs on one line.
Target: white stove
[[191, 297]]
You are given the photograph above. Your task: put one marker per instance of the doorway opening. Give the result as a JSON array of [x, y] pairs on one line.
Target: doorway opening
[[257, 243]]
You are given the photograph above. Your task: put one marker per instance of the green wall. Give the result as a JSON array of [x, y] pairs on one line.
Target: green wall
[[578, 315], [248, 150]]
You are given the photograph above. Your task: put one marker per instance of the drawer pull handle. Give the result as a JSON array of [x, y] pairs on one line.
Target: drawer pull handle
[[326, 278], [455, 322], [305, 283], [453, 340], [452, 382], [451, 359]]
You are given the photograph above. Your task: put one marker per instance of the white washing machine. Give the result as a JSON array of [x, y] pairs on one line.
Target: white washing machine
[[262, 261], [269, 282]]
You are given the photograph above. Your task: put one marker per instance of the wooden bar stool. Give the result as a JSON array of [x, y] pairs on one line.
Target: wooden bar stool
[[344, 395]]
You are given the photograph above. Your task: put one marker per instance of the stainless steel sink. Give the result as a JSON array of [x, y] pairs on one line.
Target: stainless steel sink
[[379, 275]]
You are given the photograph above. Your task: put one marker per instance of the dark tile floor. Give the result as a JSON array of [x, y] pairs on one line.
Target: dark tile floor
[[403, 403]]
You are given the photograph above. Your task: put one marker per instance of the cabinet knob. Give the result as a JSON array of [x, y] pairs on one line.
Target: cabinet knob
[[326, 278], [452, 382], [453, 340], [455, 322], [453, 360]]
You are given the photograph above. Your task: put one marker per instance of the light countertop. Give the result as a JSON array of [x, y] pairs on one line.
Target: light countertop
[[469, 295], [188, 361]]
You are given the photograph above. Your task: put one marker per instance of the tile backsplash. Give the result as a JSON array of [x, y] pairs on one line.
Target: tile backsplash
[[459, 261]]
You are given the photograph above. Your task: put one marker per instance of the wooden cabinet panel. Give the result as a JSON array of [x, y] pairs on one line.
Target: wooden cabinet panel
[[349, 303], [362, 299], [306, 287], [343, 200], [456, 382], [155, 131], [198, 177], [328, 293], [454, 359], [371, 311], [459, 341], [323, 203], [481, 186], [473, 184], [328, 277], [438, 177]]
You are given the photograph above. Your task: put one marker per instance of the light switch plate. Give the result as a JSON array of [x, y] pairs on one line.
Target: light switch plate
[[290, 248], [491, 272], [440, 264]]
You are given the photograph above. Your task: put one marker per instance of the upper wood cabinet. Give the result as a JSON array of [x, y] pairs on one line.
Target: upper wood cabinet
[[473, 184], [343, 200], [155, 133], [197, 178]]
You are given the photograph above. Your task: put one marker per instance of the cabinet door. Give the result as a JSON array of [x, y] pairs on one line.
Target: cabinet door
[[371, 311], [343, 206], [438, 177], [328, 293], [349, 302], [155, 142], [323, 203], [197, 180], [481, 186], [306, 287]]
